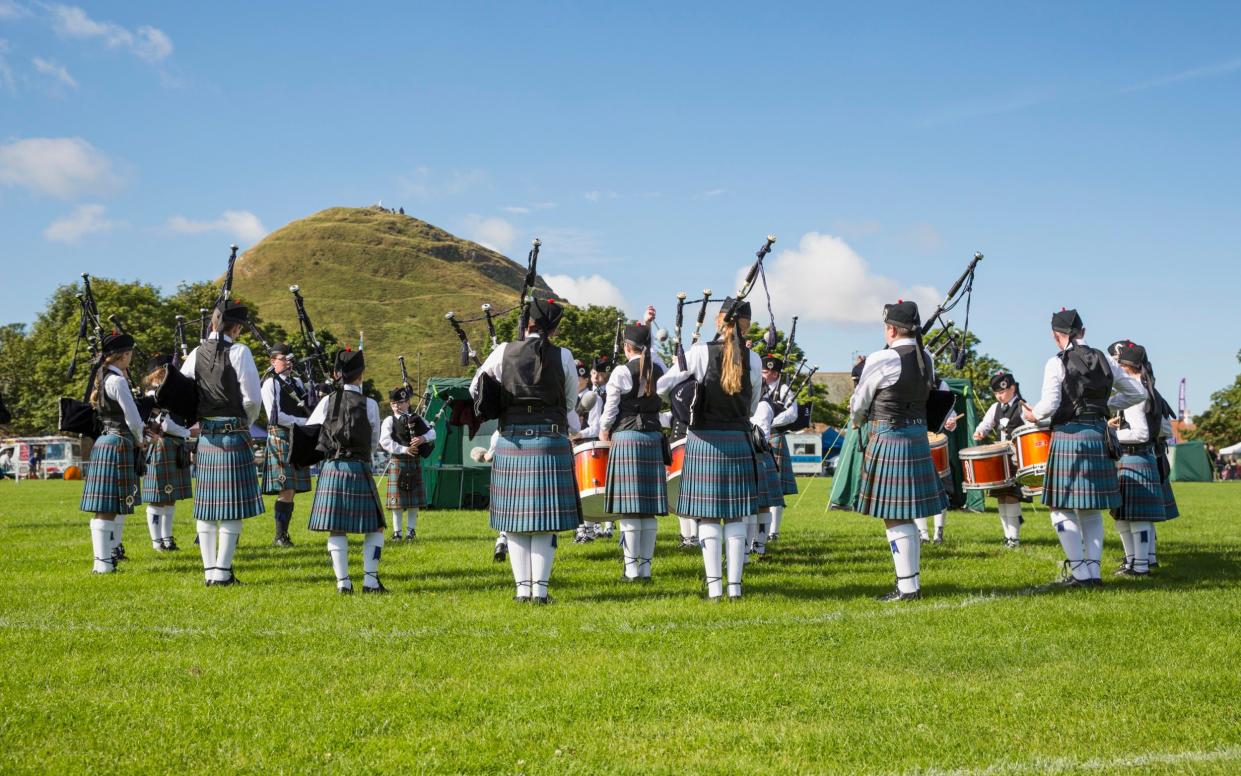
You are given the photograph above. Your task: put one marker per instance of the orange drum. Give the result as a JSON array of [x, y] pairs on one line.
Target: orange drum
[[73, 473], [590, 467], [987, 467], [674, 472], [1033, 446], [939, 452]]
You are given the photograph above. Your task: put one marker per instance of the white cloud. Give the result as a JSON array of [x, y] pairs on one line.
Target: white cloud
[[826, 280], [146, 42], [7, 80], [595, 196], [710, 193], [494, 233], [63, 167], [12, 10], [521, 210], [84, 220], [242, 225], [1209, 71], [516, 210], [423, 183], [591, 196], [57, 71], [587, 289]]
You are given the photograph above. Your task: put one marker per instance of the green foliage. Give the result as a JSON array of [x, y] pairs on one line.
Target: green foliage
[[1220, 424], [979, 367], [588, 331]]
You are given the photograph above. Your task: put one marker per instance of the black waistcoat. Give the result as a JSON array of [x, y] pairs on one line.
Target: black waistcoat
[[1086, 387], [639, 413], [905, 400], [346, 432], [219, 390], [533, 383], [111, 413], [290, 397], [1013, 413], [715, 408]]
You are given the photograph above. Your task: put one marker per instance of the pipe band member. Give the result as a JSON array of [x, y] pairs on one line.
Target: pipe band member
[[167, 479], [405, 493], [284, 402], [1001, 420], [785, 410]]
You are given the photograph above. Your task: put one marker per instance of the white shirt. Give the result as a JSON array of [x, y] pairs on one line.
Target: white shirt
[[247, 374], [621, 383], [372, 413], [594, 417], [988, 423], [1126, 390], [494, 366], [271, 401], [1138, 431], [117, 389], [882, 370], [169, 426], [783, 395], [394, 447], [696, 361], [763, 417]]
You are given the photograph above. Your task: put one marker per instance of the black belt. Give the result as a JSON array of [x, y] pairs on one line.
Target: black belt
[[1137, 449], [899, 422]]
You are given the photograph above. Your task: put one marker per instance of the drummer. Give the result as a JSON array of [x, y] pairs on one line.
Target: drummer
[[591, 400], [1004, 418]]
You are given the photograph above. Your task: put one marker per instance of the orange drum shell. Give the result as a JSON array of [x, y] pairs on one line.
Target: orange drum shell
[[1033, 448], [984, 469], [590, 465], [939, 452]]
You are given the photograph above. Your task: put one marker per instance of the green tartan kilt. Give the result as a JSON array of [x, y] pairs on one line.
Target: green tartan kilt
[[784, 461], [899, 481], [278, 473], [395, 498], [346, 498], [112, 486], [770, 492], [227, 486], [167, 479]]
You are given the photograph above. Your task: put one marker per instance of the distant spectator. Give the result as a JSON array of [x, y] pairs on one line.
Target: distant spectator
[[402, 210]]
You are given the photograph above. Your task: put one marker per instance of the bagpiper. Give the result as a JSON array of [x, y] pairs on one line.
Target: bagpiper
[[405, 493], [285, 403], [167, 479]]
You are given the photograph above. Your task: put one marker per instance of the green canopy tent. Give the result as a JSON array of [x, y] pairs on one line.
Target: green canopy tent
[[451, 478], [1189, 462]]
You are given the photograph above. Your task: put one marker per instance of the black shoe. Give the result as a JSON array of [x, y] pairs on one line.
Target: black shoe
[[939, 539], [1072, 582], [541, 600], [396, 537], [344, 591], [501, 553], [1153, 564], [1129, 571], [232, 580], [170, 545], [282, 540], [119, 552], [897, 595], [1094, 583], [521, 599], [380, 589], [772, 537]]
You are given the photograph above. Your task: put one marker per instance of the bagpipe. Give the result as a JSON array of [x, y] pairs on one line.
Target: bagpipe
[[316, 363], [940, 404], [79, 416], [414, 422], [527, 288]]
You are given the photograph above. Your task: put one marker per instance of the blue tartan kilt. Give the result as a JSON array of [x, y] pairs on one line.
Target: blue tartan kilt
[[394, 497], [228, 483], [112, 486], [278, 473], [784, 461], [636, 478], [719, 479], [1141, 492], [533, 487], [1170, 509], [771, 491], [164, 481], [899, 481], [1080, 474], [346, 498]]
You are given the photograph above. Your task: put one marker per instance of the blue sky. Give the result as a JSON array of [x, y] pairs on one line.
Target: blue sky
[[1090, 150]]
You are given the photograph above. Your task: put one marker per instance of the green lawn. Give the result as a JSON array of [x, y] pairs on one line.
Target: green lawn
[[148, 671]]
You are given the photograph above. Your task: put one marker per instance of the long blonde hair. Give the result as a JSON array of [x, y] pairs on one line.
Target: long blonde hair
[[155, 377], [730, 364], [103, 375]]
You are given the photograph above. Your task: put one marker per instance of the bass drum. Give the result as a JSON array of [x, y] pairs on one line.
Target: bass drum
[[939, 452], [590, 468], [674, 473]]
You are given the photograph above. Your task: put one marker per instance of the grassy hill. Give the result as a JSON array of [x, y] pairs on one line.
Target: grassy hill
[[391, 276]]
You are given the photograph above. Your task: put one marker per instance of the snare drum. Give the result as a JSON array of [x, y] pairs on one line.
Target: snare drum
[[674, 473], [1033, 445], [939, 452], [987, 467], [590, 467]]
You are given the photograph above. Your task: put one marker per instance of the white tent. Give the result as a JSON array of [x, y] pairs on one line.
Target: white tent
[[1231, 450]]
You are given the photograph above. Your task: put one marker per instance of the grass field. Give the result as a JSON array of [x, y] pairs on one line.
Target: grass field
[[147, 671]]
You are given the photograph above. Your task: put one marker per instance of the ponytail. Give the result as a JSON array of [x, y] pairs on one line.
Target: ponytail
[[101, 376], [646, 373], [730, 367]]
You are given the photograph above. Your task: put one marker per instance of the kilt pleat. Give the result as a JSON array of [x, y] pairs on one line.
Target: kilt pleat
[[719, 479], [1141, 492], [636, 478], [228, 484], [899, 481], [533, 488], [278, 473], [394, 497], [1080, 474], [784, 461], [1170, 509], [112, 486], [164, 481], [346, 498], [771, 494]]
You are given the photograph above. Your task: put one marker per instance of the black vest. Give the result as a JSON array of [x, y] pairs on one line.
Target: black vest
[[346, 432], [1086, 387], [533, 386], [219, 390], [639, 413], [905, 400], [716, 409], [1013, 414], [111, 414], [288, 394], [400, 430]]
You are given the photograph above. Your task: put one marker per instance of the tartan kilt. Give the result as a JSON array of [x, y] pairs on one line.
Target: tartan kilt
[[346, 498], [395, 498], [1170, 509], [228, 484], [1080, 474], [1141, 492], [899, 481], [784, 461], [636, 478], [278, 473], [165, 482], [719, 479], [112, 486], [771, 489], [533, 487]]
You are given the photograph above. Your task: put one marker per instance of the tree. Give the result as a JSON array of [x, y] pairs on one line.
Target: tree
[[978, 367], [1220, 424], [588, 332]]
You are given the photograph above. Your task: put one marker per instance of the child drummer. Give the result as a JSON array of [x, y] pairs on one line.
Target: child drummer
[[1004, 417]]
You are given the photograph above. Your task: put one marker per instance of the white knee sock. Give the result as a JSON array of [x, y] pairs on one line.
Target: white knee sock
[[165, 521], [1092, 537], [542, 553], [372, 548], [230, 532], [921, 523], [338, 548], [1010, 514], [396, 521], [1125, 529], [206, 546], [760, 537], [1141, 545], [118, 528], [906, 556], [711, 536], [411, 519], [1151, 555], [777, 514], [631, 541], [519, 559], [153, 518], [101, 545], [1070, 535], [689, 527], [735, 550], [751, 533], [650, 528]]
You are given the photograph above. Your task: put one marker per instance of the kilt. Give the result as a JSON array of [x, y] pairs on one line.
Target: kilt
[[395, 498], [112, 486], [771, 490], [784, 460], [719, 479], [1080, 475], [1141, 492], [899, 481], [533, 488], [165, 482], [278, 473], [346, 498], [636, 479], [228, 485], [1169, 502]]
